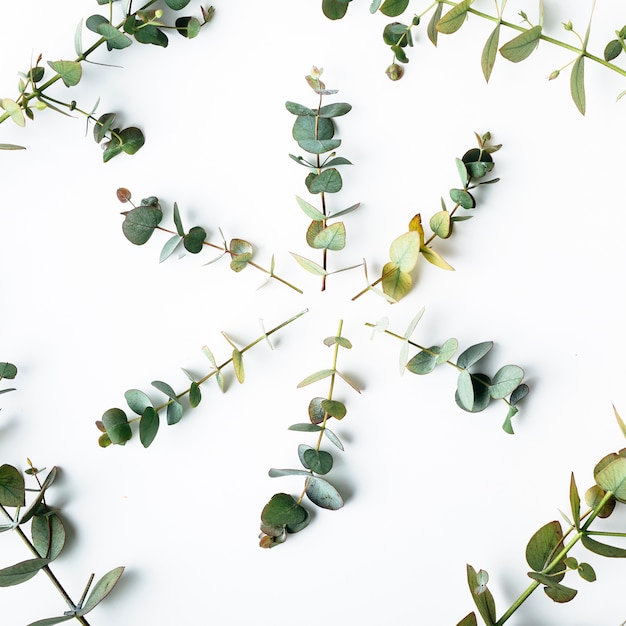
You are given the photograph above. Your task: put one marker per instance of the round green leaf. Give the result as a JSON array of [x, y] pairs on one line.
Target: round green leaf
[[441, 224], [335, 110], [116, 425], [404, 251], [150, 34], [69, 71], [335, 9], [463, 198], [480, 392], [323, 494], [298, 109], [423, 362], [140, 222], [177, 5], [281, 510], [12, 490], [334, 408], [319, 461], [329, 181], [194, 239], [505, 381], [332, 237], [612, 477], [137, 400], [305, 127], [8, 370], [14, 110], [540, 548], [473, 354], [188, 27], [132, 140], [319, 146], [316, 411], [396, 283]]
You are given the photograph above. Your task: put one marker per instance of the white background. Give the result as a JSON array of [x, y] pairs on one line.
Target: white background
[[86, 315]]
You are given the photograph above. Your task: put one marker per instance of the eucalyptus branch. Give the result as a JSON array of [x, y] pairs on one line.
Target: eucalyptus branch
[[284, 514], [314, 131], [396, 277], [474, 390], [115, 425], [397, 36], [548, 551], [141, 222], [143, 25], [47, 540]]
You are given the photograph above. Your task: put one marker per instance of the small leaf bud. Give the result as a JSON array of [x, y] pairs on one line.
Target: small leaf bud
[[394, 71]]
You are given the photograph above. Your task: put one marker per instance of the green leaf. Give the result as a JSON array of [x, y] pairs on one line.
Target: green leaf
[[431, 29], [480, 388], [69, 71], [195, 395], [462, 197], [396, 283], [21, 572], [308, 127], [330, 435], [441, 224], [103, 125], [319, 146], [329, 181], [281, 510], [587, 572], [323, 494], [238, 365], [51, 621], [8, 370], [310, 210], [194, 239], [541, 547], [574, 499], [447, 351], [140, 222], [374, 6], [404, 251], [101, 590], [505, 381], [473, 354], [305, 428], [435, 258], [170, 246], [94, 21], [519, 394], [465, 390], [346, 211], [165, 388], [318, 461], [150, 34], [309, 266], [332, 237], [148, 426], [507, 426], [114, 38], [594, 495], [484, 601], [14, 110], [612, 477], [241, 252], [177, 5], [454, 18], [577, 84], [116, 426], [335, 9], [392, 8], [602, 549], [316, 411], [334, 408], [317, 376], [490, 51], [48, 534], [174, 413], [556, 592], [522, 46], [132, 140], [468, 620], [188, 27], [177, 221], [137, 401], [12, 490], [612, 50], [342, 341], [11, 146], [423, 362], [336, 109], [299, 109]]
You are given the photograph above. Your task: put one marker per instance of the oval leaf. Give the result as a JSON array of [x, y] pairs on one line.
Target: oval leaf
[[454, 18], [101, 590], [148, 426], [473, 354], [332, 237], [522, 46], [505, 381], [323, 494]]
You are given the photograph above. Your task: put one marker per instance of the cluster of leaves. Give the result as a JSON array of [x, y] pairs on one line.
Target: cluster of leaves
[[47, 539], [144, 25], [396, 277], [115, 424], [548, 551], [474, 390], [8, 371], [397, 36], [141, 222], [285, 514], [314, 131]]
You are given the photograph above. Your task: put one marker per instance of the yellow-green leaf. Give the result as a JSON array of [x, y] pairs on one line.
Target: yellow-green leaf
[[433, 257], [14, 110], [70, 71], [454, 18], [238, 365], [522, 46], [489, 52], [577, 83], [396, 283], [404, 251]]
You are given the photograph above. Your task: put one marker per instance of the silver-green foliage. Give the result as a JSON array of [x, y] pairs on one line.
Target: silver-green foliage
[[397, 35], [548, 550], [284, 514], [7, 371], [116, 426], [474, 389], [142, 220], [314, 131], [405, 250], [33, 516], [144, 25]]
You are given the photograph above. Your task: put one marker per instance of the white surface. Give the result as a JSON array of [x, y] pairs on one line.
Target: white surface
[[86, 315]]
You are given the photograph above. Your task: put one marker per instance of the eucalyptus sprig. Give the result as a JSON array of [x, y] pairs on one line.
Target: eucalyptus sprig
[[397, 35], [144, 25], [474, 390], [314, 131], [548, 551], [141, 222], [47, 538], [285, 514], [115, 424], [396, 277], [9, 372]]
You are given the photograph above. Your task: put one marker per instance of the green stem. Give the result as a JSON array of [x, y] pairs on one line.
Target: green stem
[[46, 569], [212, 373], [556, 559], [552, 40]]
